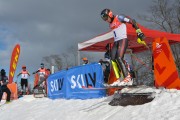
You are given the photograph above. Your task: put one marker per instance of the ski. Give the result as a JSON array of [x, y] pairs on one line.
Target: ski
[[136, 94], [108, 87], [103, 88]]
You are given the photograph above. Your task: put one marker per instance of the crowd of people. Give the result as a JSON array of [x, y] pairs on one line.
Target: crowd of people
[[24, 74]]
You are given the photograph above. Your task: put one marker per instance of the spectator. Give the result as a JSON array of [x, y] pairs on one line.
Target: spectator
[[85, 61], [106, 69], [3, 86]]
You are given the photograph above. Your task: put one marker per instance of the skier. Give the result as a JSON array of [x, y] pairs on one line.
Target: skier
[[41, 83], [42, 75], [3, 86], [117, 24], [24, 79]]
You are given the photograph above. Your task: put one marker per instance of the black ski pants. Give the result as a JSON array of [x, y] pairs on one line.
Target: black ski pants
[[4, 88], [117, 54]]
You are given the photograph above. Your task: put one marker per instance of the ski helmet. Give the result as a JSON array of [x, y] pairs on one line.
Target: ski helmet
[[106, 13], [42, 65], [23, 67], [3, 72], [84, 59]]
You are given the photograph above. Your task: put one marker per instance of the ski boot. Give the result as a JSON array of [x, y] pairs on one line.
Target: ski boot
[[128, 81]]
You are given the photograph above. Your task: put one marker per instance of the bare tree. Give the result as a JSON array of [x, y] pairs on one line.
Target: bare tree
[[47, 60], [72, 50], [57, 61], [54, 60], [177, 14], [165, 15], [67, 60]]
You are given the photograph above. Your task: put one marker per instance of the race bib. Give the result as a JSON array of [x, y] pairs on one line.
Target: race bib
[[24, 76]]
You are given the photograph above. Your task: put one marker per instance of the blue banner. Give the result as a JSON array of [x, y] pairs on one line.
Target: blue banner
[[56, 85], [75, 83]]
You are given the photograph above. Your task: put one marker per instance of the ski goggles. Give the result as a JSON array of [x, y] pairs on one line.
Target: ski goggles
[[104, 16]]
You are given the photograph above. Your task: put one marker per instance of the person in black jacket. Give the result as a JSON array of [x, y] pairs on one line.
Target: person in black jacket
[[3, 86], [106, 69]]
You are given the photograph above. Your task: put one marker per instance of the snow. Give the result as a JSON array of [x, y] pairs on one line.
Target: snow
[[165, 106]]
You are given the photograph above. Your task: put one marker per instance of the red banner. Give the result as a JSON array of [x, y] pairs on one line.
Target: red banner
[[14, 61]]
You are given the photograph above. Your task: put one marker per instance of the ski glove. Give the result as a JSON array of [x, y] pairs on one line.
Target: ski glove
[[141, 37], [141, 41], [140, 34]]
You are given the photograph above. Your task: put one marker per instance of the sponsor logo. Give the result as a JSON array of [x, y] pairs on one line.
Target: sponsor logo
[[83, 80], [56, 85], [158, 47]]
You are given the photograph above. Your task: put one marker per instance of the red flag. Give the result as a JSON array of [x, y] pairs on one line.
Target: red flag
[[14, 61]]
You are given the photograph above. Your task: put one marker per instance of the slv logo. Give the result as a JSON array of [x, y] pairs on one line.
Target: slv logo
[[158, 47], [83, 80], [56, 85]]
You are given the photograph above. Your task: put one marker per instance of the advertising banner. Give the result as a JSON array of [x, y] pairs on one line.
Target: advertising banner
[[77, 82], [165, 71], [14, 61]]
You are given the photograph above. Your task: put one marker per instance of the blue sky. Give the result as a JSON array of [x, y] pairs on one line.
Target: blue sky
[[3, 34], [2, 45]]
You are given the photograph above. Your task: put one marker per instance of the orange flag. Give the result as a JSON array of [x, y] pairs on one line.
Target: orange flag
[[165, 71], [14, 61]]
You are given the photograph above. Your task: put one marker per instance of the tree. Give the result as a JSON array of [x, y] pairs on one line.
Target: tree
[[64, 60], [72, 50], [57, 61], [165, 15], [67, 60], [53, 60], [47, 60]]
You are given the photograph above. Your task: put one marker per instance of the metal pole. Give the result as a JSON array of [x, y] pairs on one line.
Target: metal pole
[[52, 69], [78, 57]]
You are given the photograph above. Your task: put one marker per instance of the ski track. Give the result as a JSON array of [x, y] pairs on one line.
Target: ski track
[[96, 105], [111, 113], [165, 106]]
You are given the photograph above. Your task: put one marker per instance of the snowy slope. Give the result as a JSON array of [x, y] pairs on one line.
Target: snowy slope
[[166, 106]]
